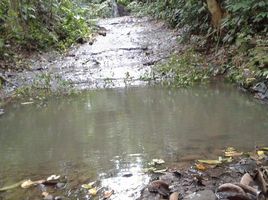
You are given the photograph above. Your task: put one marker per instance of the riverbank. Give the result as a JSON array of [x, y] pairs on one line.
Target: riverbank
[[233, 175], [245, 65]]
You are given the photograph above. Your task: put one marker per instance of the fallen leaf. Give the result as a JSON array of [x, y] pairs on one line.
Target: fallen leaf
[[5, 188], [232, 152], [93, 191], [160, 170], [108, 194], [228, 160], [261, 155], [29, 183], [200, 166], [27, 103], [156, 162], [53, 177], [88, 186], [45, 194], [264, 148], [210, 162]]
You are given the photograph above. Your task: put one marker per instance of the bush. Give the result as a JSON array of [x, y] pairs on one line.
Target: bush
[[37, 24]]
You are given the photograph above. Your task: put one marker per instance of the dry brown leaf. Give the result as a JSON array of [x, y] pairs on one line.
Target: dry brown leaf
[[200, 166], [108, 194]]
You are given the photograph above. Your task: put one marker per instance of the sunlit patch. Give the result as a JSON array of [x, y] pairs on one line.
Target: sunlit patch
[[129, 180]]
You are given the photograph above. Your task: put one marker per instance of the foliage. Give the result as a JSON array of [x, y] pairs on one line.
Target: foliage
[[36, 24], [244, 16], [98, 9], [177, 12], [249, 65], [247, 16], [185, 69]]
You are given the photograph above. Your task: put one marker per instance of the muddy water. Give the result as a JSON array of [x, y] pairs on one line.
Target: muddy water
[[106, 133]]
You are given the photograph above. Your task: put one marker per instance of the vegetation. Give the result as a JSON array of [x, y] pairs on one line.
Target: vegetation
[[186, 69], [30, 25], [35, 25], [231, 36]]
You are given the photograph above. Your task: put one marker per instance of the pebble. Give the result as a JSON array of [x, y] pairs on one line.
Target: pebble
[[174, 196], [60, 185], [59, 198], [201, 195], [48, 197]]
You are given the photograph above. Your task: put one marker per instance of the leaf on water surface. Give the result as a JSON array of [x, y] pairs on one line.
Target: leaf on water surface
[[93, 191], [15, 185], [232, 152], [156, 162], [53, 177], [264, 148], [149, 170], [27, 103], [88, 186], [154, 170], [160, 170], [29, 183]]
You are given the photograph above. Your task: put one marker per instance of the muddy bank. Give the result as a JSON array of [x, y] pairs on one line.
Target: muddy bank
[[121, 55], [235, 178], [236, 175]]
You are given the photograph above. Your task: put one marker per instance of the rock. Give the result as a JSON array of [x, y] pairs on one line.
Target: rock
[[201, 195], [60, 185], [174, 196], [260, 88], [48, 197], [127, 174], [231, 191], [159, 187], [59, 198], [2, 112]]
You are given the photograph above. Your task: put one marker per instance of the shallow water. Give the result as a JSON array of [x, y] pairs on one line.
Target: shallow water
[[108, 132]]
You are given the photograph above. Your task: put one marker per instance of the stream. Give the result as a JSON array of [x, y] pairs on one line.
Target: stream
[[103, 134], [111, 132]]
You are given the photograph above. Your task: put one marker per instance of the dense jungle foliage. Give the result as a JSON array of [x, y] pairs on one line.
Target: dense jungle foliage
[[237, 16], [230, 34], [37, 25]]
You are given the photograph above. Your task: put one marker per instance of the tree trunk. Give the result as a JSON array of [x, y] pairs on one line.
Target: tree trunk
[[216, 12]]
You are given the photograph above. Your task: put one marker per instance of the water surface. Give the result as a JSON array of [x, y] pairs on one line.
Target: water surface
[[115, 130]]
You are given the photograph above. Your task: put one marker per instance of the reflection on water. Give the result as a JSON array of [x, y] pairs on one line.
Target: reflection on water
[[86, 133]]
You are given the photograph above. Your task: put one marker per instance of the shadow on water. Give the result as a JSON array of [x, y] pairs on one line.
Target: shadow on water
[[105, 133]]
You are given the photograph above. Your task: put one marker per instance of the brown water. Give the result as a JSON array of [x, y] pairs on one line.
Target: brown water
[[107, 132]]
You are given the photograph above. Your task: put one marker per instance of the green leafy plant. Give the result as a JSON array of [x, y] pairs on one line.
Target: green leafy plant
[[185, 70]]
